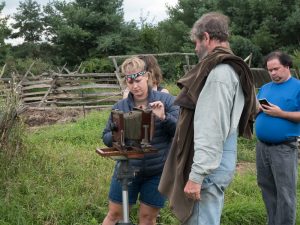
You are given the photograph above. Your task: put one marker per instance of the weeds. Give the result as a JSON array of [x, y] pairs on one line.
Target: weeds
[[11, 127], [60, 180]]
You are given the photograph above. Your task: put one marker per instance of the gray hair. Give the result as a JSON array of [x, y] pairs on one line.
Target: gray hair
[[214, 23]]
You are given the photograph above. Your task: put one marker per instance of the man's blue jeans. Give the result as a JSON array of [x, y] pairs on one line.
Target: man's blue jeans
[[277, 178], [208, 210]]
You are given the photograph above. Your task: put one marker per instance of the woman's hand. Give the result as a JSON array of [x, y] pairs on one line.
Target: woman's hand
[[158, 109]]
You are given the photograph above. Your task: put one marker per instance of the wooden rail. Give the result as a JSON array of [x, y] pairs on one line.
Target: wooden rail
[[89, 90], [74, 90]]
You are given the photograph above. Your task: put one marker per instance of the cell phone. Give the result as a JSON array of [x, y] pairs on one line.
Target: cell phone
[[264, 101]]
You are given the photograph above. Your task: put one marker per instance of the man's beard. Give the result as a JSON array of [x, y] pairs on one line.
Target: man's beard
[[202, 53]]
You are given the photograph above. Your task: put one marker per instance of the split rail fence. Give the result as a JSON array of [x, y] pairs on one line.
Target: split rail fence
[[87, 90], [73, 90]]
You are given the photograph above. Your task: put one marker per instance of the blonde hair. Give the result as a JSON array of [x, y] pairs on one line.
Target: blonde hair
[[135, 64]]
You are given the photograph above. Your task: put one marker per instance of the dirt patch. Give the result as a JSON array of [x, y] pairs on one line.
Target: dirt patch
[[243, 167], [35, 118]]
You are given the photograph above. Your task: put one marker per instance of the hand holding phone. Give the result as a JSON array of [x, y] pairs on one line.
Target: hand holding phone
[[264, 101]]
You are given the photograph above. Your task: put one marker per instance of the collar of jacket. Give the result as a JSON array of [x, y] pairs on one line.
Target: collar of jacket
[[130, 98], [192, 83]]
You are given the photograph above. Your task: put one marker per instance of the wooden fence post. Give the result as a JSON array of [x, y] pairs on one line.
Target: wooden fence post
[[52, 84], [117, 72]]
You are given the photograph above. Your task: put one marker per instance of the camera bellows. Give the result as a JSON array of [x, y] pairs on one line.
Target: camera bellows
[[132, 125]]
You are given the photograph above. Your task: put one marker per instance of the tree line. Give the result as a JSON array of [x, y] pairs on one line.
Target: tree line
[[69, 33]]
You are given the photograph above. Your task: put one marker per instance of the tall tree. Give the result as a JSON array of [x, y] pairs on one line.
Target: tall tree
[[4, 34], [4, 30], [28, 22], [87, 28], [266, 24], [175, 30]]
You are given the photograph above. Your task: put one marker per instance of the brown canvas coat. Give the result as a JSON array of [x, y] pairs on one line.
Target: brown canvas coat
[[180, 158]]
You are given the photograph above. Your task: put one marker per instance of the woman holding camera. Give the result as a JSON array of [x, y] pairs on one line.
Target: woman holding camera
[[144, 184]]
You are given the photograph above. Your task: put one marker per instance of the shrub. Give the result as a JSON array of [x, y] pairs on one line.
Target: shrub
[[11, 129], [97, 65], [296, 61], [242, 47], [20, 66]]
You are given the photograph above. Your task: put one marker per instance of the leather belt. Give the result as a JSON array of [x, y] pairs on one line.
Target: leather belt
[[287, 142]]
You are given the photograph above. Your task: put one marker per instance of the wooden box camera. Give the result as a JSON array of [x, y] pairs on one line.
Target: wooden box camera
[[133, 130]]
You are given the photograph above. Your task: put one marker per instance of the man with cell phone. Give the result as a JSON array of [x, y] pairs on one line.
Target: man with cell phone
[[277, 129], [263, 102]]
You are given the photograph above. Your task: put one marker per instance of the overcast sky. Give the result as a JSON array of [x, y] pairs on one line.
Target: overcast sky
[[155, 10]]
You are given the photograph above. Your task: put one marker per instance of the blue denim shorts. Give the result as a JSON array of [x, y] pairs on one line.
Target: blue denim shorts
[[146, 188]]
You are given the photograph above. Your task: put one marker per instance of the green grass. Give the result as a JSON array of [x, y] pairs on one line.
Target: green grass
[[246, 149], [243, 202], [172, 88], [59, 179]]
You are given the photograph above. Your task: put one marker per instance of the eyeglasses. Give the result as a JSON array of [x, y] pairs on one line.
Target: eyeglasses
[[132, 77]]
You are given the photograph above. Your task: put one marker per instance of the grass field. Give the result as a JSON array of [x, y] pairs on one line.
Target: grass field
[[58, 179]]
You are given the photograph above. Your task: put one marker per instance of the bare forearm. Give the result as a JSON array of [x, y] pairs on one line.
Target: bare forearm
[[292, 116], [274, 110]]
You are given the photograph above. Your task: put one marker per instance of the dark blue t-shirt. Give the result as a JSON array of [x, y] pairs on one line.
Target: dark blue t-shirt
[[286, 95]]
